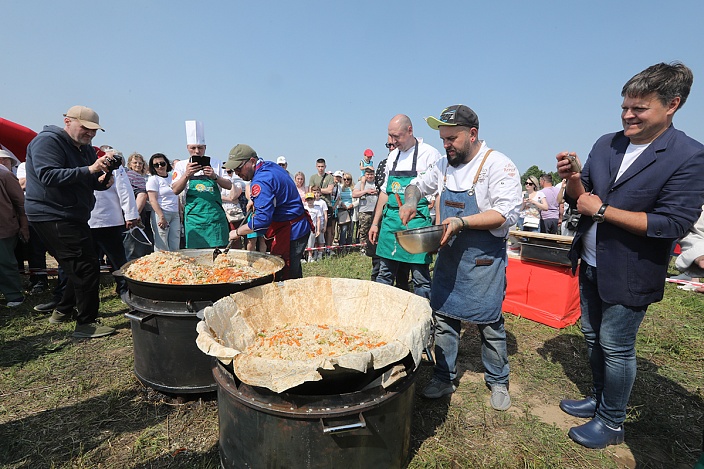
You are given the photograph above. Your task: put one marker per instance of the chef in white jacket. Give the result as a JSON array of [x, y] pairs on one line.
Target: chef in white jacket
[[115, 210]]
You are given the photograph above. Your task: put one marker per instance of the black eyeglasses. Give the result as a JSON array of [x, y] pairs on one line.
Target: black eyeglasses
[[239, 168], [389, 145], [160, 164]]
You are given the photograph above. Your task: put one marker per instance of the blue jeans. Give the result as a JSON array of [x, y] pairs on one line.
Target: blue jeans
[[610, 332], [388, 270], [345, 233], [494, 352]]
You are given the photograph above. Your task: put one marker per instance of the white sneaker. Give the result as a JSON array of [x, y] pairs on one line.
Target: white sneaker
[[500, 399]]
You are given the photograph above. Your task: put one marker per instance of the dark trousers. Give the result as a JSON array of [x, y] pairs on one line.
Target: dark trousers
[[297, 248], [109, 241], [548, 225], [71, 243]]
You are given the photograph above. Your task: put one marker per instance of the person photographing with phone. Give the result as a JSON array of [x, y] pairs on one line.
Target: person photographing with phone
[[204, 219]]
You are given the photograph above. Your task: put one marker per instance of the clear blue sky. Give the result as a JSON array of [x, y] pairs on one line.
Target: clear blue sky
[[314, 79]]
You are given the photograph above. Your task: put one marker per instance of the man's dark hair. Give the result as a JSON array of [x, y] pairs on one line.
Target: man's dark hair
[[546, 177], [668, 81], [320, 160]]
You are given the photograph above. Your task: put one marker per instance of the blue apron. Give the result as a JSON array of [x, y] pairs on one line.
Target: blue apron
[[469, 280]]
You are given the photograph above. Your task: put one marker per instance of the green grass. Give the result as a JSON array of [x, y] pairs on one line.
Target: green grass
[[68, 403]]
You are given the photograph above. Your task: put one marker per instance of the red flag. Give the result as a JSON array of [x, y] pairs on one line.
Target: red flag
[[15, 138]]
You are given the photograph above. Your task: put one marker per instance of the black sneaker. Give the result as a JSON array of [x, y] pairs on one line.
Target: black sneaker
[[57, 317], [92, 330], [46, 307]]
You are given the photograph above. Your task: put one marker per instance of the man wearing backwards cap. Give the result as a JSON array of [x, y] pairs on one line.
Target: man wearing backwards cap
[[278, 208], [204, 219], [480, 196], [63, 170]]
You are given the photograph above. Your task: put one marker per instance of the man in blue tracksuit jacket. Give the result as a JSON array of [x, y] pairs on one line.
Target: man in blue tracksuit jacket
[[278, 208]]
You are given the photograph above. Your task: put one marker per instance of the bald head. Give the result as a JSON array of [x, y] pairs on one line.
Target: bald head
[[401, 132]]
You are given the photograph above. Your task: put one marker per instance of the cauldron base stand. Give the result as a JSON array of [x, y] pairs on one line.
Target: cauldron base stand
[[166, 357], [358, 430]]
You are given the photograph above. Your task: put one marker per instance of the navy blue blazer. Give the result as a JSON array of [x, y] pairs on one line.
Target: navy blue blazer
[[667, 182]]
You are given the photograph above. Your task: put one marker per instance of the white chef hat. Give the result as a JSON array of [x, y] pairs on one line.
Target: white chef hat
[[195, 134]]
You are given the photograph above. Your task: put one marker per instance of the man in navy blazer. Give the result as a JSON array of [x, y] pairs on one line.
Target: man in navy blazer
[[640, 189]]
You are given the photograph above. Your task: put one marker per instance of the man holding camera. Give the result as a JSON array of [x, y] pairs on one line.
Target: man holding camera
[[63, 170], [204, 219]]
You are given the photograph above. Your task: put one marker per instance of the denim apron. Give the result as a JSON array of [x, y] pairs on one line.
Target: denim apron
[[391, 222], [205, 222], [470, 271]]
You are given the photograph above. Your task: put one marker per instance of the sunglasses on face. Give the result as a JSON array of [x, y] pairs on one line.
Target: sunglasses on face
[[160, 164], [239, 168], [348, 179], [529, 184]]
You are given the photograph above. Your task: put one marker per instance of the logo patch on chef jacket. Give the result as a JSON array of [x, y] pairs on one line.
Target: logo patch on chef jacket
[[510, 169], [256, 189], [203, 188]]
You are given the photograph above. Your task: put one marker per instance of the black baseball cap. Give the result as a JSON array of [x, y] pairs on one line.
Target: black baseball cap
[[457, 115]]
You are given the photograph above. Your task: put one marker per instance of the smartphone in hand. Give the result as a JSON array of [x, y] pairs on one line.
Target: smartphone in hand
[[201, 160]]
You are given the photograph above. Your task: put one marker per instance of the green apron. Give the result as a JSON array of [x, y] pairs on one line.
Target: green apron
[[387, 247], [205, 222]]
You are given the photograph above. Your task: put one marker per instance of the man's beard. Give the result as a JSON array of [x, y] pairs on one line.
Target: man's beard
[[458, 159]]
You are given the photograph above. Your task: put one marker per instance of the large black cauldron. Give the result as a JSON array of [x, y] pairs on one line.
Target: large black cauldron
[[361, 428], [212, 292], [163, 319]]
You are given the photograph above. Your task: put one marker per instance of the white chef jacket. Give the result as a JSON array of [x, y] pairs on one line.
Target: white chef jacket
[[427, 156], [111, 204], [498, 187]]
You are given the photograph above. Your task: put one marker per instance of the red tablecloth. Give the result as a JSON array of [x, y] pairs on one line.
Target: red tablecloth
[[544, 293]]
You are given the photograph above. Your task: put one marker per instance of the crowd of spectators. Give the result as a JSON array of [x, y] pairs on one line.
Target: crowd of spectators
[[146, 209]]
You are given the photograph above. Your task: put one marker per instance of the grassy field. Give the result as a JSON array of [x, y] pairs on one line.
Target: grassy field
[[69, 403]]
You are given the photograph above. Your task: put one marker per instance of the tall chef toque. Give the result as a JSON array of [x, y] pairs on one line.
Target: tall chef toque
[[457, 115], [195, 133], [86, 116], [238, 155]]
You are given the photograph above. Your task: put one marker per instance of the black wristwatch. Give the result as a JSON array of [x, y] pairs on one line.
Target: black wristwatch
[[599, 215]]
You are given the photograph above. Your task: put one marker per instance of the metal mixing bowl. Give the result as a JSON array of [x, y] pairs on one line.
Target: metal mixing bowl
[[418, 240]]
